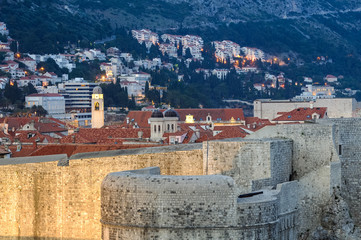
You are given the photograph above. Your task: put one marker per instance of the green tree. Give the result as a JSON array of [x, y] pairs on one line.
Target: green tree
[[12, 92], [188, 53], [39, 111], [29, 89]]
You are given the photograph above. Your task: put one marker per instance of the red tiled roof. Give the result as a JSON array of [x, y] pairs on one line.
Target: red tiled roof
[[32, 137], [301, 114], [17, 122], [330, 76], [105, 135], [255, 123], [225, 114], [25, 151], [140, 117]]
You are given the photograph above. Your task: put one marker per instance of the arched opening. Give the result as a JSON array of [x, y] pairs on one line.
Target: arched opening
[[158, 128], [168, 127], [155, 128], [97, 106]]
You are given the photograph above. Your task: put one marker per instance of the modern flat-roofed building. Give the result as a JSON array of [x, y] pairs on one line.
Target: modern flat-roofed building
[[78, 95], [53, 103]]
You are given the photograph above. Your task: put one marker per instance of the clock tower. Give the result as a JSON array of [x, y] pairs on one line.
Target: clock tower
[[97, 108]]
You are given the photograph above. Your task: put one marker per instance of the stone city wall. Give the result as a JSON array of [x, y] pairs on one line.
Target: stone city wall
[[253, 164], [148, 206], [44, 200], [313, 151], [145, 205], [349, 147]]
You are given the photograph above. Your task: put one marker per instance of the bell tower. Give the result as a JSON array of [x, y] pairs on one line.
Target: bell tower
[[97, 108]]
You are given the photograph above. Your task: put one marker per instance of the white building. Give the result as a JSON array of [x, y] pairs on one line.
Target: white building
[[24, 81], [145, 35], [226, 49], [3, 82], [172, 39], [253, 53], [134, 89], [312, 92], [53, 103], [170, 49], [220, 73], [3, 29], [29, 63], [330, 78], [77, 94]]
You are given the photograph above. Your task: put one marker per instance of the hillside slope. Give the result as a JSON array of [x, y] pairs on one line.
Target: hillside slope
[[308, 27]]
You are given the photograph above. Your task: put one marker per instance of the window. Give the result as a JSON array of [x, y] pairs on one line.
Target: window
[[158, 128], [172, 127], [168, 127], [97, 106], [339, 149], [155, 128]]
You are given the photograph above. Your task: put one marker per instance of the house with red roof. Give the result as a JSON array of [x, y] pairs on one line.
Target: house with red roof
[[330, 78], [301, 115]]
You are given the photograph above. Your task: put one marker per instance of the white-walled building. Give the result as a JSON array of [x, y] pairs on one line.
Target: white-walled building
[[3, 29], [312, 92], [253, 53], [145, 35], [170, 49], [220, 73], [226, 49], [29, 63], [53, 103]]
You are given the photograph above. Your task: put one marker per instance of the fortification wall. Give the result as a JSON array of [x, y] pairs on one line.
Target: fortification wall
[[313, 152], [253, 164], [170, 203], [41, 199], [349, 147], [144, 205]]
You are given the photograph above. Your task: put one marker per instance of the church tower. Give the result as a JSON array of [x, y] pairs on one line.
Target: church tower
[[97, 108]]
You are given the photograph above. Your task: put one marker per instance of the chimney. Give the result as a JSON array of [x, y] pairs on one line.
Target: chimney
[[127, 120], [311, 104], [140, 134], [18, 147]]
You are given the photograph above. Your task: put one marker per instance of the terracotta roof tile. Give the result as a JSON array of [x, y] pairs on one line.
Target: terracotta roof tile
[[302, 114], [102, 135], [221, 114]]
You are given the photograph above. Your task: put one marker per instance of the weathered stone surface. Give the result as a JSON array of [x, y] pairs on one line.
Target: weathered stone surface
[[144, 205], [336, 221]]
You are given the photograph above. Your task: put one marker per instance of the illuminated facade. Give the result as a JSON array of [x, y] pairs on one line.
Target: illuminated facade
[[97, 108]]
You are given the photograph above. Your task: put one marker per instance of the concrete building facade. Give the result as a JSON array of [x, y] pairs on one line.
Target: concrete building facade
[[53, 103], [336, 107]]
